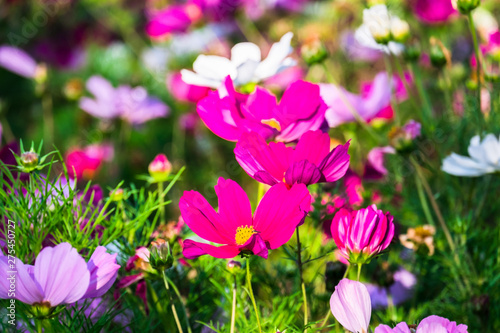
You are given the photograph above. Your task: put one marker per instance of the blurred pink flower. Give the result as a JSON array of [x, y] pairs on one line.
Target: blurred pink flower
[[84, 163], [431, 324], [279, 212], [185, 92], [228, 114], [362, 234], [17, 61], [134, 105], [173, 19], [160, 168], [285, 78], [374, 167], [367, 106], [433, 11], [350, 305], [310, 162], [400, 291]]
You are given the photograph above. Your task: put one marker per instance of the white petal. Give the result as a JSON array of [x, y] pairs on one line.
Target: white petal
[[214, 67], [396, 48], [458, 165], [198, 80], [277, 54], [491, 150], [246, 72], [365, 38], [243, 52]]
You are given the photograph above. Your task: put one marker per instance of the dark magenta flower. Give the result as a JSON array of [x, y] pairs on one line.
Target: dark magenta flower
[[279, 212], [310, 162], [229, 114], [173, 19], [433, 11]]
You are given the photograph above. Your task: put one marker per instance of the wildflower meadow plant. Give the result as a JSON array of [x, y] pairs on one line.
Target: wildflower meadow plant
[[250, 166]]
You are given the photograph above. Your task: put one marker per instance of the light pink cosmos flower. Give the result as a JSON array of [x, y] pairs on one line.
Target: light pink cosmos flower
[[133, 105], [228, 114], [17, 61], [431, 324], [362, 234], [60, 276], [374, 167], [279, 212], [183, 91], [367, 106], [434, 11], [351, 306], [310, 162]]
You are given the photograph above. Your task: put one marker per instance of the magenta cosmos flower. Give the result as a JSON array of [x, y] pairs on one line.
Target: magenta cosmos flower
[[431, 324], [310, 162], [433, 11], [351, 306], [60, 276], [133, 105], [229, 114], [362, 234], [279, 212], [173, 19]]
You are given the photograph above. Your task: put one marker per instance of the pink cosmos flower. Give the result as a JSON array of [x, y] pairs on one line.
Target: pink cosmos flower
[[350, 305], [374, 167], [133, 105], [367, 106], [434, 11], [310, 162], [173, 19], [362, 234], [60, 276], [17, 61], [185, 92], [400, 291], [431, 324], [84, 163], [228, 114], [279, 212]]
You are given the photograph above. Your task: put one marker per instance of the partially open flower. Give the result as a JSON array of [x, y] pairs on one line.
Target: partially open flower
[[419, 236]]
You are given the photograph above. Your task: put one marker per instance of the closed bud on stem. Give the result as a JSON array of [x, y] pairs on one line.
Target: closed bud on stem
[[234, 266], [412, 52], [117, 195], [440, 55], [313, 51], [465, 6], [400, 30], [29, 161], [160, 168], [160, 256]]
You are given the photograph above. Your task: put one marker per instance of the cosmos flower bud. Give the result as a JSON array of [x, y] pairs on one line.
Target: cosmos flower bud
[[160, 168], [117, 195], [29, 161], [412, 52], [160, 256], [234, 266], [465, 6], [381, 33], [400, 30], [73, 89], [440, 55], [313, 51]]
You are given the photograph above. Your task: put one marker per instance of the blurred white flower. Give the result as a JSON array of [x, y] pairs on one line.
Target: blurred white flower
[[244, 66], [485, 158], [376, 30]]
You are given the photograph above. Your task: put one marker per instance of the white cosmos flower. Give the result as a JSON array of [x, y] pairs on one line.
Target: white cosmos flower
[[484, 158], [377, 26], [244, 66]]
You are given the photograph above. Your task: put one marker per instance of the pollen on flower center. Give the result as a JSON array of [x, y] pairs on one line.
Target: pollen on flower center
[[272, 123], [243, 234]]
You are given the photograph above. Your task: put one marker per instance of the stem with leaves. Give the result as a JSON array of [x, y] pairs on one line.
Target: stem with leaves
[[252, 297], [174, 311], [302, 284]]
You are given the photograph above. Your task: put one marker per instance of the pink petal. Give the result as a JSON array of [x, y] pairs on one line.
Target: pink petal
[[312, 146], [303, 172], [193, 250], [27, 290], [234, 206], [217, 114], [336, 163], [351, 305]]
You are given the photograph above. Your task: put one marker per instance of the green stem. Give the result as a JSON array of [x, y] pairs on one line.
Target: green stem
[[178, 294], [157, 304], [252, 297], [406, 84], [427, 114], [348, 104], [233, 308], [302, 285], [325, 320], [359, 270], [388, 68], [162, 201], [346, 274], [478, 60], [176, 317], [423, 201], [38, 324]]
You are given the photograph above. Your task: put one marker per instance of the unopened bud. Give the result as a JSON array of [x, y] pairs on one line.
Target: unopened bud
[[381, 33], [313, 51], [440, 55], [465, 6], [160, 255], [412, 52], [160, 168], [117, 195], [234, 266], [400, 30], [73, 89], [29, 161]]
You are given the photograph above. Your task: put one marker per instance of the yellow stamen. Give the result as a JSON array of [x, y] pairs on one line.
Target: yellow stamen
[[243, 234], [272, 123]]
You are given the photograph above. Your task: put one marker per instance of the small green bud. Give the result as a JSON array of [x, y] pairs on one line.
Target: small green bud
[[117, 195], [313, 52], [234, 266], [29, 161], [466, 6], [160, 257]]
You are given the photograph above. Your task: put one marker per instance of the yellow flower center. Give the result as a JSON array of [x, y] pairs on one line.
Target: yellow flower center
[[272, 123], [243, 234]]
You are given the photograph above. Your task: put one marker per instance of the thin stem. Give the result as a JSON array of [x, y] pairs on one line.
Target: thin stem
[[478, 59], [162, 201], [233, 310], [176, 317], [359, 270], [346, 274], [302, 285], [326, 319], [178, 294], [252, 297], [389, 71], [406, 84], [349, 105], [423, 202], [427, 114], [38, 324]]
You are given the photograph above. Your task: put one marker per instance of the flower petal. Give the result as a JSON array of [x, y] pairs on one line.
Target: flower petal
[[234, 207], [193, 250]]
